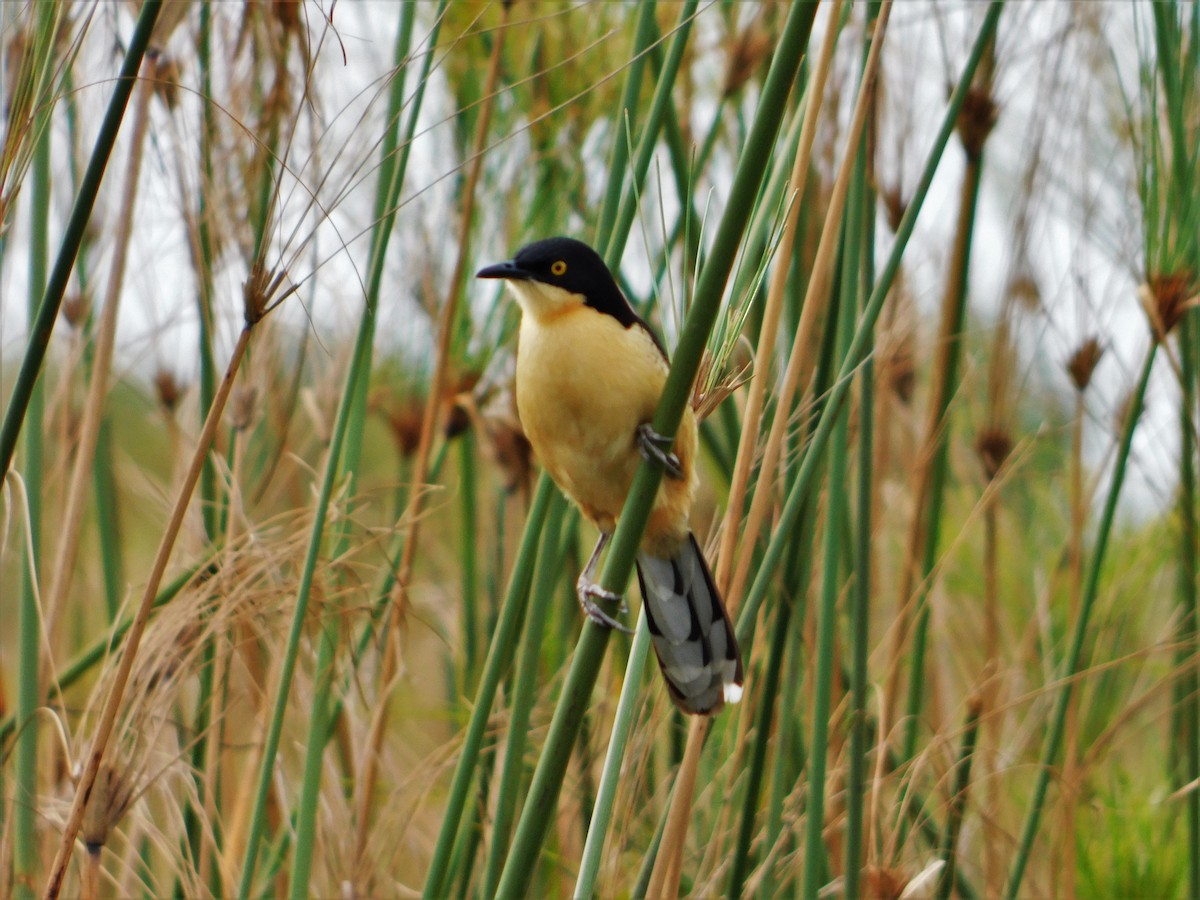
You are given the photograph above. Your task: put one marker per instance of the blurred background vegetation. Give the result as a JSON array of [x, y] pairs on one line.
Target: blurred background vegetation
[[286, 606]]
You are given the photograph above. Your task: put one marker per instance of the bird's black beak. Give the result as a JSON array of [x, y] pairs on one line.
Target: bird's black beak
[[508, 270]]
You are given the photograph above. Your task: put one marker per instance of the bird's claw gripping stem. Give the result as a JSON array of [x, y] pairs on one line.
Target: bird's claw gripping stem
[[654, 447], [589, 592]]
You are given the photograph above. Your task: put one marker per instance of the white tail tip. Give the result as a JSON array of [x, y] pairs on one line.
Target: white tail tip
[[733, 693]]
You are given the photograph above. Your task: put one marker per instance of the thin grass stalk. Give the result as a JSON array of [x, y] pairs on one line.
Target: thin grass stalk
[[863, 336], [790, 758], [524, 695], [350, 411], [469, 555], [860, 588], [323, 714], [1078, 503], [644, 37], [958, 799], [1175, 55], [1070, 666], [25, 813], [781, 638], [668, 862], [95, 755], [764, 495], [107, 502], [203, 843], [606, 794], [42, 326], [71, 521], [645, 33], [836, 503], [209, 499], [499, 654], [448, 317], [99, 650], [932, 477], [319, 730], [618, 231], [355, 398], [429, 423], [747, 449], [1189, 651], [108, 522], [589, 654], [816, 299]]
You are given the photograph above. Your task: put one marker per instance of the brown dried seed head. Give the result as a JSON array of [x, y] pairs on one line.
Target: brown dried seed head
[[900, 368], [894, 206], [976, 120], [748, 52], [166, 75], [512, 451], [109, 801], [1025, 290], [287, 14], [993, 445], [406, 428], [1083, 363], [1167, 297], [458, 418], [168, 388], [75, 309]]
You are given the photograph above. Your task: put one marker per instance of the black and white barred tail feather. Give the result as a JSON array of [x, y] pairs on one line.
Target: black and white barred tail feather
[[693, 637]]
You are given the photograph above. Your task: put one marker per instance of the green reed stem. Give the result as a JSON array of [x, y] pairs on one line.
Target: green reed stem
[[512, 611], [549, 572], [347, 436], [26, 813], [932, 503], [42, 326], [860, 593], [610, 776], [644, 36], [863, 336], [589, 654], [648, 141], [958, 800], [837, 501], [1070, 666], [1189, 627]]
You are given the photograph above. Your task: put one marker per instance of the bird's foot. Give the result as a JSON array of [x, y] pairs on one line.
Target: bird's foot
[[589, 592], [654, 447]]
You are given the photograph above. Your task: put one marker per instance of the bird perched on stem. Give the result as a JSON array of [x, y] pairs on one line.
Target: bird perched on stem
[[589, 376]]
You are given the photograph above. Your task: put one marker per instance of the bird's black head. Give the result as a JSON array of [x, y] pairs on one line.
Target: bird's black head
[[571, 266]]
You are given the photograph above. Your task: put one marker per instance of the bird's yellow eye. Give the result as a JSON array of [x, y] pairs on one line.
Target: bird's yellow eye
[[558, 267]]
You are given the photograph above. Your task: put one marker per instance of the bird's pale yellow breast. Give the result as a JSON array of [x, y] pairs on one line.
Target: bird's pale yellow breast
[[584, 384]]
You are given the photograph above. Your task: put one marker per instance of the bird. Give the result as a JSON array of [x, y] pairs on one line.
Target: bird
[[589, 375]]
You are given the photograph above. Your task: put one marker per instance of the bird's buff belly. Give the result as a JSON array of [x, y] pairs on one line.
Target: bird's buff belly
[[593, 466]]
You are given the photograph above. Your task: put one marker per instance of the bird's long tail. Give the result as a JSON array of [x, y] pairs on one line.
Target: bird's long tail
[[693, 637]]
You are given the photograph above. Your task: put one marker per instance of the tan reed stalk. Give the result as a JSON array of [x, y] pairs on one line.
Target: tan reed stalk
[[420, 467], [670, 854], [747, 447], [93, 410], [801, 362], [133, 638]]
